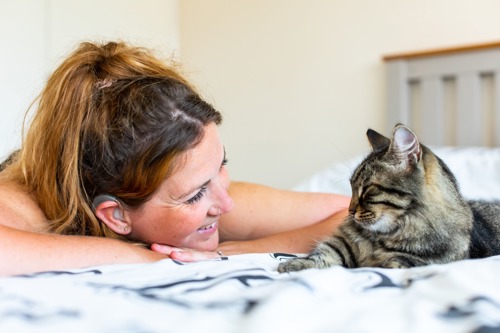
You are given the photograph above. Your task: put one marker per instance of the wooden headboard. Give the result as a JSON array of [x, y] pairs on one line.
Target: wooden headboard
[[449, 96]]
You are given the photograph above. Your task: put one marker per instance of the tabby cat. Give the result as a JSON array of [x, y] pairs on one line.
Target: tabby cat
[[406, 210]]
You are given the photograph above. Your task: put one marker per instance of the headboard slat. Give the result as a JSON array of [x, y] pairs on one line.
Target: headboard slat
[[450, 98], [496, 107], [470, 120], [431, 111]]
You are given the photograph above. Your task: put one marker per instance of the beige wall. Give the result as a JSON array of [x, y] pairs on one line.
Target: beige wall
[[300, 81]]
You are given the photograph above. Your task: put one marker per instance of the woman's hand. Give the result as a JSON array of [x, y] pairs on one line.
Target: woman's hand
[[225, 249], [185, 254]]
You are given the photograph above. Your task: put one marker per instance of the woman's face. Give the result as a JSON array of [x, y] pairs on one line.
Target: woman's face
[[185, 211]]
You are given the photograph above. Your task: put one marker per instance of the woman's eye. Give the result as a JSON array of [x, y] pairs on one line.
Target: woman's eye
[[197, 197], [224, 162]]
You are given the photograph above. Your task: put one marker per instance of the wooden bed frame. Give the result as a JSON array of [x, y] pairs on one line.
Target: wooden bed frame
[[449, 96]]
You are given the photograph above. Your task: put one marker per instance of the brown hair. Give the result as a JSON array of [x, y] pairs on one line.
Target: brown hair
[[112, 119]]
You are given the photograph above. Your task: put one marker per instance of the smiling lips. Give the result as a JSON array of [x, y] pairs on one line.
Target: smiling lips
[[209, 228]]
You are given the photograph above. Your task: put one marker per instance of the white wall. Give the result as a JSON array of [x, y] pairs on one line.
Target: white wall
[[300, 81], [22, 61], [36, 35]]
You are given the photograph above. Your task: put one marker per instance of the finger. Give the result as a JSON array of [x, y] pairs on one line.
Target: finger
[[189, 256], [162, 248]]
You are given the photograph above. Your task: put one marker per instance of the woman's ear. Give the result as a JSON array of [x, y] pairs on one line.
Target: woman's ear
[[110, 212]]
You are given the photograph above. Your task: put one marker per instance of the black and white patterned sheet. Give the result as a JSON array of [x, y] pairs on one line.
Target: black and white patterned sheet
[[245, 294]]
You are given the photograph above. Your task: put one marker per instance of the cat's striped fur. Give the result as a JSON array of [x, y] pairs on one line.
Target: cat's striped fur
[[406, 210]]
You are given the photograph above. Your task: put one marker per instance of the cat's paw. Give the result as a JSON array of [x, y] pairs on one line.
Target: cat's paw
[[296, 264]]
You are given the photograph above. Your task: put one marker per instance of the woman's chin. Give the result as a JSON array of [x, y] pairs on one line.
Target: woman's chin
[[205, 243]]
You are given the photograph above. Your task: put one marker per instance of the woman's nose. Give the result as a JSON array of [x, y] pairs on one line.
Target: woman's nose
[[226, 203], [222, 199]]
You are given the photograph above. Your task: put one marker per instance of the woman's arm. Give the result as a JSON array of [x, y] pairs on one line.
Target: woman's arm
[[301, 240], [27, 252], [262, 211], [25, 248]]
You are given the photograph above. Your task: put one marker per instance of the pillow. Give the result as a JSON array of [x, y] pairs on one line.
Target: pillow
[[477, 170]]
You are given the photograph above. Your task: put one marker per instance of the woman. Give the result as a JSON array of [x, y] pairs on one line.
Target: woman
[[122, 151]]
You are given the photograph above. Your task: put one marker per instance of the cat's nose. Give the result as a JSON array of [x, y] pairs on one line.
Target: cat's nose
[[352, 208]]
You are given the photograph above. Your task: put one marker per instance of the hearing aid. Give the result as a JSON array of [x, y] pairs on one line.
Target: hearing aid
[[102, 198], [117, 213]]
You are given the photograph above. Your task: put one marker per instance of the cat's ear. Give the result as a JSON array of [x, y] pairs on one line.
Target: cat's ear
[[405, 146], [377, 140]]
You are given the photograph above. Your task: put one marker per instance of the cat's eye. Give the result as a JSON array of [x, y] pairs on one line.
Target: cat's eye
[[373, 194], [370, 199], [370, 191]]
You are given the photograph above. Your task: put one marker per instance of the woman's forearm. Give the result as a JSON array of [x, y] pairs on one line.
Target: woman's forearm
[[26, 252], [262, 211], [301, 240]]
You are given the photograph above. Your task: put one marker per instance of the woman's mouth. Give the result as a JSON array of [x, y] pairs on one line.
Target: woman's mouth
[[209, 228]]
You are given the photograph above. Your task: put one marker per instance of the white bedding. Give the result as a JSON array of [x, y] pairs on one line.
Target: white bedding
[[245, 293], [477, 170]]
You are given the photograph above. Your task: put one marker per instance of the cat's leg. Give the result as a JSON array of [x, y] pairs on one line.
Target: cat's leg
[[333, 251]]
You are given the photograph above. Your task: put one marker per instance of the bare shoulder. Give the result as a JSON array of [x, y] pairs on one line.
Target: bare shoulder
[[18, 209]]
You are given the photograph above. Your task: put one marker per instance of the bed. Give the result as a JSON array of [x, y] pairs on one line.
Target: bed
[[244, 293]]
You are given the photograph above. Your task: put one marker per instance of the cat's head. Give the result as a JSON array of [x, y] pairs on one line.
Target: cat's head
[[393, 180]]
